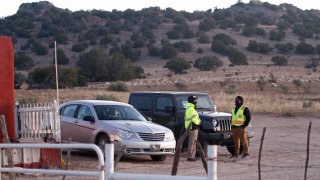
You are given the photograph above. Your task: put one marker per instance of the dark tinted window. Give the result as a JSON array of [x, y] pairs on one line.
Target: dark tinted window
[[163, 102], [143, 103]]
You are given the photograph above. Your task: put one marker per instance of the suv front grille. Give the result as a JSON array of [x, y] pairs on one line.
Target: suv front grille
[[152, 137], [224, 124]]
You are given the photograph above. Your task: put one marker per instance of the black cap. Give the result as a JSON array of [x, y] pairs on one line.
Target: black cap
[[192, 99], [240, 98]]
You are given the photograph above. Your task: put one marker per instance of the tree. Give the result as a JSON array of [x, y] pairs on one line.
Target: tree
[[279, 60], [178, 65], [61, 57], [183, 46], [19, 79], [208, 63], [39, 49], [22, 61], [277, 35], [93, 65], [237, 58], [304, 48], [168, 51], [252, 46]]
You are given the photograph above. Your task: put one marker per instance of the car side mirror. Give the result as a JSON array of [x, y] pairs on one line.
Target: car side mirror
[[168, 109], [149, 118], [89, 118]]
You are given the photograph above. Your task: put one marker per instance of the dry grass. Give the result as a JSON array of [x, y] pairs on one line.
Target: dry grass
[[273, 100]]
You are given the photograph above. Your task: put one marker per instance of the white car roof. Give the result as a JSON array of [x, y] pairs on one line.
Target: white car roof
[[96, 102]]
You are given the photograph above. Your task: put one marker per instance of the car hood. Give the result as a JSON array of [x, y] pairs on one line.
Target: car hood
[[137, 126], [210, 114]]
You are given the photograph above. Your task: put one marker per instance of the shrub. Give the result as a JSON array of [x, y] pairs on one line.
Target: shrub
[[279, 60], [28, 100], [199, 50], [277, 35], [252, 46], [284, 48], [61, 57], [261, 83], [118, 86], [153, 51], [178, 65], [231, 89], [208, 63], [237, 58], [93, 65], [181, 86], [19, 79], [77, 48], [203, 38], [284, 88], [107, 97], [264, 48], [183, 46], [304, 48], [297, 83], [22, 61], [168, 51], [39, 49], [249, 31], [318, 49]]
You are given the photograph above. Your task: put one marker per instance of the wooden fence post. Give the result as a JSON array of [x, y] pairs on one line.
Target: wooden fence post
[[202, 156], [308, 146], [260, 149], [178, 151], [8, 151]]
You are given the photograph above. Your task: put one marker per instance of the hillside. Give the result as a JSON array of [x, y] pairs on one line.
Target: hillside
[[152, 36]]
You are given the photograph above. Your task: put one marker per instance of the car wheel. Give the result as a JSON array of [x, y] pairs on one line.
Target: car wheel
[[102, 141], [158, 157], [231, 148]]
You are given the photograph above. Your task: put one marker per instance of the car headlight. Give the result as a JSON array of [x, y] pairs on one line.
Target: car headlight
[[124, 134], [215, 123], [169, 136]]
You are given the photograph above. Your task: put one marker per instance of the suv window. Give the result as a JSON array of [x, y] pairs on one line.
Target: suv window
[[69, 110], [163, 102], [143, 103], [84, 111]]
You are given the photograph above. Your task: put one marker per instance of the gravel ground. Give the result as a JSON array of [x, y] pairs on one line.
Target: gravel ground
[[283, 155]]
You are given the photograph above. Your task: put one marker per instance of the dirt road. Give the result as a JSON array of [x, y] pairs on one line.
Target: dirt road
[[283, 155]]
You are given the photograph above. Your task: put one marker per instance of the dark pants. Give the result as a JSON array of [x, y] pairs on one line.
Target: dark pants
[[240, 135]]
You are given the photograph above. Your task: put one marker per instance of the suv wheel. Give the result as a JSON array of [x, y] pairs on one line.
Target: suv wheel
[[158, 157]]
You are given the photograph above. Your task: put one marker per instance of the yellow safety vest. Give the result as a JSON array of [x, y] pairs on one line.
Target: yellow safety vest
[[191, 115], [238, 118]]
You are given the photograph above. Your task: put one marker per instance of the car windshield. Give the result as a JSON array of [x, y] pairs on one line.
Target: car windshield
[[118, 112], [204, 103]]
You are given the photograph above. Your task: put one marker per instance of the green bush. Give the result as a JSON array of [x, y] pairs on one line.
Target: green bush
[[78, 48], [22, 61], [118, 86], [19, 79], [284, 48], [304, 48], [153, 51], [178, 65], [284, 88], [237, 58], [107, 97], [253, 46], [183, 46], [203, 38], [62, 59], [168, 51], [93, 65], [39, 49], [279, 60], [277, 35], [249, 31], [208, 63], [28, 100]]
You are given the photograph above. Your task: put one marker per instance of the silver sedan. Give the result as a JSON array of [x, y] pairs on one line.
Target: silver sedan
[[101, 122]]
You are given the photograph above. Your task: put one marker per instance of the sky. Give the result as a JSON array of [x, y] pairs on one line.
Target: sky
[[10, 7]]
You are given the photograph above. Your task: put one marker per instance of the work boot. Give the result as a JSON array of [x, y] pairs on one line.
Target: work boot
[[245, 155]]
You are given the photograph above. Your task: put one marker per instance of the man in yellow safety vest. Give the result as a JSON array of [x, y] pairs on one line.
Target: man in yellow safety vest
[[192, 119], [240, 120]]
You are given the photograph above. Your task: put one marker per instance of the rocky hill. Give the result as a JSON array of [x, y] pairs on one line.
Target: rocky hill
[[253, 32]]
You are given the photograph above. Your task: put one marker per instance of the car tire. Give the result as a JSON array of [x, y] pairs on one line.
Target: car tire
[[231, 148], [158, 157], [102, 141]]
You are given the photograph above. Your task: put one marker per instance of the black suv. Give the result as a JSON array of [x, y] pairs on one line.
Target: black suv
[[167, 108]]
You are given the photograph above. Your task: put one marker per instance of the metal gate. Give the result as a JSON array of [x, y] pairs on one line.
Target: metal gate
[[38, 121]]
